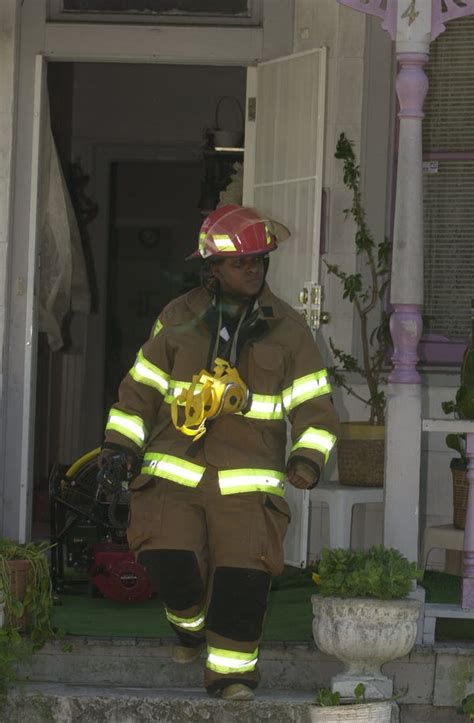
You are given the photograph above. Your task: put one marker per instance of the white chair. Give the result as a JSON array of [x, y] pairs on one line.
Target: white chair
[[446, 537], [340, 501]]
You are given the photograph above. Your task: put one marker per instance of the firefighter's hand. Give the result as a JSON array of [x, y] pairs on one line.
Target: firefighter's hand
[[297, 481], [109, 454], [302, 474]]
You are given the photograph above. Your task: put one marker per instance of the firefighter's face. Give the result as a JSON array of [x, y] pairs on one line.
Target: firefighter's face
[[241, 276]]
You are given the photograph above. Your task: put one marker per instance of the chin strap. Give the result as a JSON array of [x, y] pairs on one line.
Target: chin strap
[[209, 396]]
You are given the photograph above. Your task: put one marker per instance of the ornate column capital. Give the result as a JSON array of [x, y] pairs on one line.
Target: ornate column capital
[[413, 21]]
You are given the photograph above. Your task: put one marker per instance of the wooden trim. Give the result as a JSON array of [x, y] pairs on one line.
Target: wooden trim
[[153, 44]]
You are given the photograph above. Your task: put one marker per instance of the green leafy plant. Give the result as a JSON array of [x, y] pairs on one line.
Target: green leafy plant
[[38, 599], [467, 706], [36, 606], [382, 573], [462, 406], [326, 698], [365, 296]]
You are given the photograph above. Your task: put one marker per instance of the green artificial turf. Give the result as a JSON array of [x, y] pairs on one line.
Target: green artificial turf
[[289, 616]]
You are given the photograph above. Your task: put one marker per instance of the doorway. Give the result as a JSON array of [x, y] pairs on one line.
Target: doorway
[[141, 149]]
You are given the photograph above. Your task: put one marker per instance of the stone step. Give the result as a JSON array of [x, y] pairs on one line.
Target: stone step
[[56, 703], [146, 663]]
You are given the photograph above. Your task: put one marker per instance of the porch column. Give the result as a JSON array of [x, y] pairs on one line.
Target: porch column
[[403, 430], [413, 25]]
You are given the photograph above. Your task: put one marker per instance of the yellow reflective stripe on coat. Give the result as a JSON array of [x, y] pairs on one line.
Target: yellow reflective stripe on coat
[[307, 387], [172, 468], [319, 439], [231, 661], [233, 481], [144, 372], [265, 406], [157, 328], [195, 623], [130, 425]]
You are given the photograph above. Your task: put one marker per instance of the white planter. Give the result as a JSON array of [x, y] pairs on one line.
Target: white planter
[[373, 712], [364, 634]]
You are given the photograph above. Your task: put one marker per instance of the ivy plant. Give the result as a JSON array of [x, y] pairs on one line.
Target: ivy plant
[[380, 572], [36, 605], [364, 295]]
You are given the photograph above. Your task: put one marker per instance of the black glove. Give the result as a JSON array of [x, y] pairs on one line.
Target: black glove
[[116, 465]]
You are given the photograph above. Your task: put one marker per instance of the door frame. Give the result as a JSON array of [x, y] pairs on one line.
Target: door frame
[[44, 42]]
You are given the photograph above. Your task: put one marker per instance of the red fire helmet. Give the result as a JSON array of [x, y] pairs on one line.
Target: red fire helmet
[[233, 230]]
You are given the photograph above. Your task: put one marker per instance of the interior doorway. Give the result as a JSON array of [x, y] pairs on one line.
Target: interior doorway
[[154, 223], [139, 134]]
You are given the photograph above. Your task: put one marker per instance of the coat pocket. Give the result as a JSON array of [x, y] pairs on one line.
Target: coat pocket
[[277, 518], [266, 368], [145, 514]]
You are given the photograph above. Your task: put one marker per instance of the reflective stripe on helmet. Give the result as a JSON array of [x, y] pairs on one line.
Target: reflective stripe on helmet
[[222, 243], [157, 328], [195, 623], [145, 372], [319, 439], [231, 661], [233, 481], [129, 425], [172, 468], [265, 406], [307, 387]]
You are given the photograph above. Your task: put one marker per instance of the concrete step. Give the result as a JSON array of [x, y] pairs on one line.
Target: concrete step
[[55, 703], [146, 663]]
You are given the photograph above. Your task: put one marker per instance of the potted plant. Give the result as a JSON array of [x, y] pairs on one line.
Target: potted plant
[[362, 616], [361, 445], [463, 408], [26, 587], [330, 707]]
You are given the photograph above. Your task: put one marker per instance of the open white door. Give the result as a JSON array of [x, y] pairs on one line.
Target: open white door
[[284, 147]]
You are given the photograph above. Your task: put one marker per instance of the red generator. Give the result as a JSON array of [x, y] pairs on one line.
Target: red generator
[[115, 572]]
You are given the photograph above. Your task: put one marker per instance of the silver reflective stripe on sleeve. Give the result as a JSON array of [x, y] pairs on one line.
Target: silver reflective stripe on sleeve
[[305, 388], [130, 425], [318, 439]]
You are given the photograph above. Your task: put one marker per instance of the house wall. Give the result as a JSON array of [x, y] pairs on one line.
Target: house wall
[[359, 103]]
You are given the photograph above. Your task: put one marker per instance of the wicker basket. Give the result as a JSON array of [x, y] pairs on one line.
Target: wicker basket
[[361, 454], [19, 579], [460, 492]]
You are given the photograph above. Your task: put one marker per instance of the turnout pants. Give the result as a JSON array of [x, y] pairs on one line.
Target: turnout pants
[[210, 558]]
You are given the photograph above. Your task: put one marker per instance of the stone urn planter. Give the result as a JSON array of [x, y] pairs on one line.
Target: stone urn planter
[[364, 633], [378, 712]]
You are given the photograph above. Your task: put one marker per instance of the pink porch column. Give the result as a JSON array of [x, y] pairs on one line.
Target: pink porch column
[[413, 25]]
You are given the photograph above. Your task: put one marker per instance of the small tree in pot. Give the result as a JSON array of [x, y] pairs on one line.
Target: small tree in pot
[[366, 295]]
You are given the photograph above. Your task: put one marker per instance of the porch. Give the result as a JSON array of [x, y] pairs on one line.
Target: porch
[[113, 663]]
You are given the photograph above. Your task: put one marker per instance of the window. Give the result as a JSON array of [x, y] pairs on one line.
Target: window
[[448, 179], [212, 12]]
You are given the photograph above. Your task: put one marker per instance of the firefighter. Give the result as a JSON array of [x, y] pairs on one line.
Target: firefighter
[[203, 413]]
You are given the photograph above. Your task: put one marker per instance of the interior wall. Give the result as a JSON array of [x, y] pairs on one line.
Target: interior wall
[[125, 111], [154, 224]]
